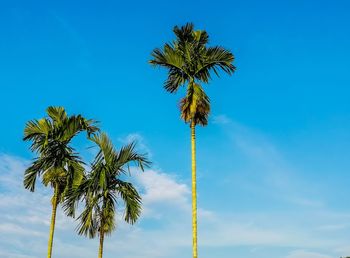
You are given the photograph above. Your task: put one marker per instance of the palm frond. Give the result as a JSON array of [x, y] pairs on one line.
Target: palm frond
[[176, 79], [170, 58], [57, 114], [91, 126], [195, 105], [108, 212], [184, 33], [107, 151], [76, 194], [132, 200], [202, 37], [88, 220], [31, 174], [75, 175], [128, 154], [38, 131], [215, 59]]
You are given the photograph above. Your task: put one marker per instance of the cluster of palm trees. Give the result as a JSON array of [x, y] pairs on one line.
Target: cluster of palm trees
[[61, 167], [190, 63]]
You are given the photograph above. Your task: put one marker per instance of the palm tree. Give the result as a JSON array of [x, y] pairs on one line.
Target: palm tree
[[102, 187], [56, 163], [190, 62]]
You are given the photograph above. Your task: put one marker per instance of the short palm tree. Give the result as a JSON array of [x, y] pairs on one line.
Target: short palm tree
[[57, 163], [103, 186], [190, 62]]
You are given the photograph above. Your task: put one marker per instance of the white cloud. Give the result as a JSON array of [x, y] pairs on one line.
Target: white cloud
[[161, 188], [12, 169], [13, 229], [24, 217]]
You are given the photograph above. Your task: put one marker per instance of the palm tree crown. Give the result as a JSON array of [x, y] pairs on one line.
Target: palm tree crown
[[103, 186], [190, 61], [57, 161]]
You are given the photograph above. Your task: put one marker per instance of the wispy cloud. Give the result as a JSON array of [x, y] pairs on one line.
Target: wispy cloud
[[12, 169], [139, 140], [272, 168], [165, 227], [306, 254], [24, 219], [221, 119]]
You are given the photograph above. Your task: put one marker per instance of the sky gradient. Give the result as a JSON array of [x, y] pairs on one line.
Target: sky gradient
[[273, 163]]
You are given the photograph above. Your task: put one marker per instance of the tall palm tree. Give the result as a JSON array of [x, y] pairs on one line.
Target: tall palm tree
[[190, 62], [103, 186], [56, 163]]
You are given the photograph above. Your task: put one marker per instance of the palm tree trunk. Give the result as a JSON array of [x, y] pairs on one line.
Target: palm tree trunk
[[194, 190], [53, 221], [100, 250]]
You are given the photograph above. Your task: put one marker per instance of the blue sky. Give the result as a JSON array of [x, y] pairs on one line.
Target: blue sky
[[273, 165]]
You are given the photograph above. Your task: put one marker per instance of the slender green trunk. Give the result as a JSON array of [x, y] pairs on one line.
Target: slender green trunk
[[53, 221], [100, 250], [194, 190]]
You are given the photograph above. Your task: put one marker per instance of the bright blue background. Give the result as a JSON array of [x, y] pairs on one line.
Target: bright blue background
[[291, 88]]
